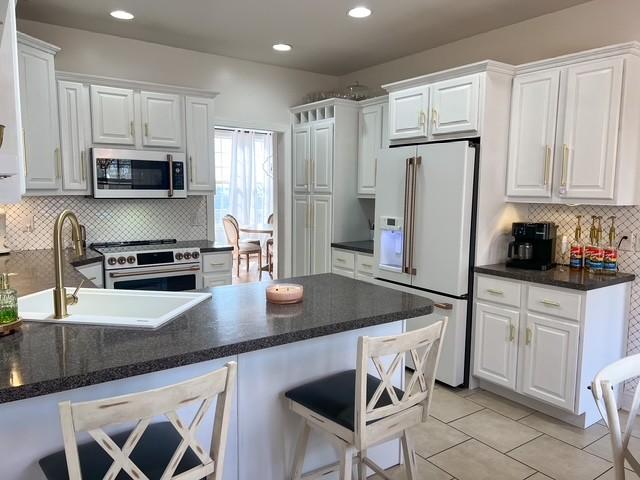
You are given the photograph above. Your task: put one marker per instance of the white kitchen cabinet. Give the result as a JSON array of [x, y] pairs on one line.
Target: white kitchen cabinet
[[200, 126], [365, 267], [301, 158], [542, 345], [534, 107], [75, 136], [39, 106], [161, 119], [322, 145], [343, 262], [301, 238], [496, 344], [93, 272], [455, 104], [370, 142], [216, 269], [590, 129], [113, 116], [550, 360], [320, 225], [408, 112]]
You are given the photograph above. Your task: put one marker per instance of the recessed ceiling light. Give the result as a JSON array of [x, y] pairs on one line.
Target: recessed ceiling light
[[359, 12], [282, 47], [122, 15]]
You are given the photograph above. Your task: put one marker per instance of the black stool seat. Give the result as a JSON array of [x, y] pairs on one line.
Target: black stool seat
[[151, 455], [334, 397]]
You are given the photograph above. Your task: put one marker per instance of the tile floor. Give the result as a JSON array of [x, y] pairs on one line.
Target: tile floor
[[476, 435]]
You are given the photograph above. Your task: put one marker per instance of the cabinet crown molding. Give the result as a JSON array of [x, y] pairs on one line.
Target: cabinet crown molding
[[478, 67], [324, 103], [628, 48], [30, 41], [382, 99], [133, 84]]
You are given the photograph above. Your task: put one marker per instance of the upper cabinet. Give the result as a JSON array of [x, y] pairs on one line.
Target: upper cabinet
[[322, 157], [161, 119], [75, 136], [574, 124], [113, 115], [200, 144], [455, 106], [408, 112], [38, 101], [301, 151], [372, 120]]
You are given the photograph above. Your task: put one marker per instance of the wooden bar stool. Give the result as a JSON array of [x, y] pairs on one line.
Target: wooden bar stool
[[165, 450], [358, 410]]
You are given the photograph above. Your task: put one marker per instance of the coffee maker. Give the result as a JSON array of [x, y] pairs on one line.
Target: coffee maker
[[533, 247]]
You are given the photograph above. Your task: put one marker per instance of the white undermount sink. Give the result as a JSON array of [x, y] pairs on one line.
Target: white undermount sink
[[116, 308]]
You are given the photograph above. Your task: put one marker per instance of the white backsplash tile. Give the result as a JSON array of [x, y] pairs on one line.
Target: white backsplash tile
[[627, 220], [107, 220]]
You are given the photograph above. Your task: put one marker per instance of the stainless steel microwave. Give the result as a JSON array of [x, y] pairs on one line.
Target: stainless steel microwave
[[119, 173]]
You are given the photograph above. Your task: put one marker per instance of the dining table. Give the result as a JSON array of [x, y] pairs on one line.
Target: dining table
[[265, 228]]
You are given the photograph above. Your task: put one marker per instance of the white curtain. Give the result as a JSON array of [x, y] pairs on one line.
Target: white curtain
[[249, 167]]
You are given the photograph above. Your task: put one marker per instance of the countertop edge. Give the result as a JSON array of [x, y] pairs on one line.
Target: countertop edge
[[352, 248], [48, 387]]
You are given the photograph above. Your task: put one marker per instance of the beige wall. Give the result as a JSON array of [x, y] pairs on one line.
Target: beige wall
[[250, 92], [589, 25]]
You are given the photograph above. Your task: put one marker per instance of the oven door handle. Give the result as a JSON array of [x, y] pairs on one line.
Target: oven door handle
[[170, 160], [153, 272]]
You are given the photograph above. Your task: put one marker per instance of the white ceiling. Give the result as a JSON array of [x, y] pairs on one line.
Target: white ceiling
[[324, 38]]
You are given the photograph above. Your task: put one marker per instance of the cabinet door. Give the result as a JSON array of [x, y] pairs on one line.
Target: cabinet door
[[322, 158], [320, 234], [369, 144], [301, 159], [200, 144], [534, 107], [161, 120], [113, 115], [301, 235], [496, 344], [408, 110], [39, 106], [73, 100], [550, 360], [590, 130], [455, 106]]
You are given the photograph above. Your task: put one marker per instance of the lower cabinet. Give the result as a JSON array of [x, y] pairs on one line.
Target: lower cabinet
[[546, 343], [93, 272], [216, 269], [312, 221], [351, 264]]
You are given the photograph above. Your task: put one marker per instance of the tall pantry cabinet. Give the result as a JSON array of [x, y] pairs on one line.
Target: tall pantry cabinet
[[324, 171]]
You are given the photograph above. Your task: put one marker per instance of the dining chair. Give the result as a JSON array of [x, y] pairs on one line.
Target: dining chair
[[162, 450], [232, 231], [269, 244], [604, 394], [358, 410]]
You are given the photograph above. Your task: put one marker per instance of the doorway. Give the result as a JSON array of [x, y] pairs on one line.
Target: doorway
[[246, 196]]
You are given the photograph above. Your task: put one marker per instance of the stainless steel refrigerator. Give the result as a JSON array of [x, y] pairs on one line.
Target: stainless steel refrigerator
[[424, 218]]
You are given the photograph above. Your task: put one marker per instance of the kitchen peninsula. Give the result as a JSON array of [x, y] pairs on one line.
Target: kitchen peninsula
[[276, 347]]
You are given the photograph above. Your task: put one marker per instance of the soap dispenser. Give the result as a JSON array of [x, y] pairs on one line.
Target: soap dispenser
[[8, 301]]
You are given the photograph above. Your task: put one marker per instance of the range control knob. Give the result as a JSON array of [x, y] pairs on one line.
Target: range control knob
[[122, 260], [112, 260], [131, 259], [187, 255], [195, 255], [178, 256]]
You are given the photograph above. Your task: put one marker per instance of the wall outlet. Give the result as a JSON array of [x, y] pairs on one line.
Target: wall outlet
[[630, 243], [28, 224]]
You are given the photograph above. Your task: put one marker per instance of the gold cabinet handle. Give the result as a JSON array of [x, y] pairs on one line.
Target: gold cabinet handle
[[132, 129], [366, 265], [341, 260], [512, 332], [423, 120], [83, 167], [313, 172], [146, 129], [58, 162], [565, 162], [547, 163], [529, 336], [550, 303], [308, 173], [434, 117], [375, 171], [495, 291]]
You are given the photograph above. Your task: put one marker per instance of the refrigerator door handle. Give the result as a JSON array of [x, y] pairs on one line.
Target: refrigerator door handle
[[407, 220], [414, 179]]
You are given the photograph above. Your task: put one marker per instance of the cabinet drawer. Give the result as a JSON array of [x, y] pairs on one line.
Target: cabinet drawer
[[343, 260], [217, 262], [554, 302], [209, 281], [364, 265], [497, 290]]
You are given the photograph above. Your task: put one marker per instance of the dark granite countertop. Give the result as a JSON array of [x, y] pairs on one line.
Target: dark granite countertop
[[558, 277], [35, 269], [364, 246], [45, 358]]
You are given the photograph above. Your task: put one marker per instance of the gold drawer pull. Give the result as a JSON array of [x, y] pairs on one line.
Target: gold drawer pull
[[495, 291], [341, 260], [512, 332], [217, 264], [550, 303], [529, 338], [366, 265]]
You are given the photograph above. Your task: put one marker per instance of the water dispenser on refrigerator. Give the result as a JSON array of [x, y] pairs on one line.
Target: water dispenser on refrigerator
[[391, 244]]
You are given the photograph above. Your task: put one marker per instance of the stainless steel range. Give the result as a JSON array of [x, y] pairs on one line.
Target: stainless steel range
[[151, 265]]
